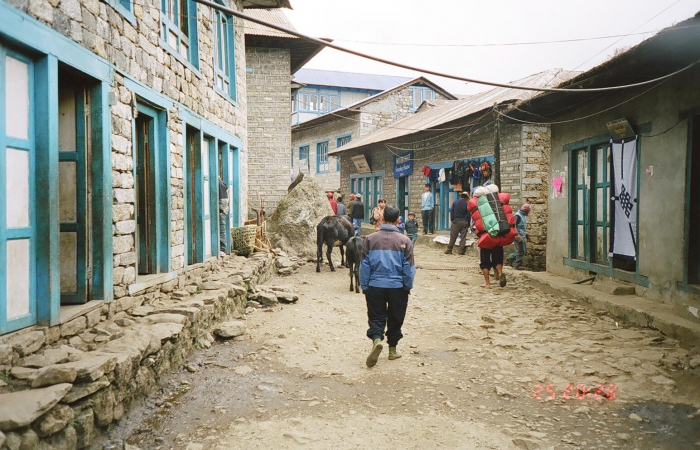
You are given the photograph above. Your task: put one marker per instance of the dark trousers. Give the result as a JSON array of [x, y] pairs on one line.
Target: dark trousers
[[386, 308], [427, 216], [458, 229]]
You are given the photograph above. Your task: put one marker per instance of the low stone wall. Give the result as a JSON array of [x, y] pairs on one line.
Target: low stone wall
[[60, 385]]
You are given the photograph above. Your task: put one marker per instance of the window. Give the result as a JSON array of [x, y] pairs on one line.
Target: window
[[420, 94], [315, 102], [224, 56], [178, 31], [304, 159], [123, 7], [339, 143], [322, 157]]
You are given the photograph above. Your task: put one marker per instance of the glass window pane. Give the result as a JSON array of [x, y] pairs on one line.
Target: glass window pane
[[600, 161], [17, 179], [207, 237], [600, 250], [579, 204], [579, 238], [67, 197], [18, 277], [581, 175], [600, 200], [66, 120], [417, 97], [17, 98]]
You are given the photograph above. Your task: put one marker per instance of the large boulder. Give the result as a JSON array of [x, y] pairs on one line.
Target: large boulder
[[296, 217]]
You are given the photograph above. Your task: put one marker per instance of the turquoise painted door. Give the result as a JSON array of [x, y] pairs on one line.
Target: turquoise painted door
[[17, 193], [73, 127], [146, 238]]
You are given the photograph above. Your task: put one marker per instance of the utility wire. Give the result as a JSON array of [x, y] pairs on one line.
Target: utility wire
[[233, 12]]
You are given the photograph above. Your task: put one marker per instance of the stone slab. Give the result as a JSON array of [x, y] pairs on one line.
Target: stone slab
[[614, 288], [21, 408]]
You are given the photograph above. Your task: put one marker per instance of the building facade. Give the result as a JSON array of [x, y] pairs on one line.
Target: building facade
[[118, 120], [625, 172], [315, 139]]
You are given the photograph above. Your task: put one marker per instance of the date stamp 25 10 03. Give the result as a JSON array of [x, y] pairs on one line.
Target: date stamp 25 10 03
[[578, 392]]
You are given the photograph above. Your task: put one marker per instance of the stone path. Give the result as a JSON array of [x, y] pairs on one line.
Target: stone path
[[501, 368]]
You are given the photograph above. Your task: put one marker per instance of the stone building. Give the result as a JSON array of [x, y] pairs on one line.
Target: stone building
[[625, 170], [389, 162], [271, 58], [121, 118], [315, 139]]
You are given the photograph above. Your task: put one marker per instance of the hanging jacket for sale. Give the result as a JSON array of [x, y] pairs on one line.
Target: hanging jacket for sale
[[493, 217]]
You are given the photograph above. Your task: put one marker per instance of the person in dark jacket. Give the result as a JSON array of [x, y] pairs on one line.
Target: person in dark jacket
[[387, 271], [340, 207], [412, 227], [357, 212], [460, 217]]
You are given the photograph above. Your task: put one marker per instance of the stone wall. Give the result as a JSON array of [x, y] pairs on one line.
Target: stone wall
[[269, 131], [68, 383]]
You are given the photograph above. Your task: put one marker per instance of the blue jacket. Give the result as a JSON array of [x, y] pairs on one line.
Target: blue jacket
[[387, 260], [427, 201]]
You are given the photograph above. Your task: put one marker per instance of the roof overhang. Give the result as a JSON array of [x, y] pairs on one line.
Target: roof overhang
[[301, 51], [256, 4]]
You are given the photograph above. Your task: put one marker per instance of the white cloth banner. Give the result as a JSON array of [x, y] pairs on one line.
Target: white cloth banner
[[624, 238]]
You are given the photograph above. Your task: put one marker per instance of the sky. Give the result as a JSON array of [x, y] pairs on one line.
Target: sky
[[442, 28]]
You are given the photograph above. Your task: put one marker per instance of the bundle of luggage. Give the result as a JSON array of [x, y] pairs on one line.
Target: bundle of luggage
[[493, 217]]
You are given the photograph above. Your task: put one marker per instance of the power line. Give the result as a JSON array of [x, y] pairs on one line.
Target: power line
[[431, 72]]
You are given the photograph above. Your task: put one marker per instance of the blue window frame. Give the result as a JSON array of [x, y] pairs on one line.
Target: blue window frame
[[123, 7], [420, 94], [316, 100], [178, 29], [304, 159], [322, 165], [342, 140], [224, 56]]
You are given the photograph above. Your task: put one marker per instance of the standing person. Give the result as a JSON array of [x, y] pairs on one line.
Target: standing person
[[334, 204], [386, 278], [521, 228], [400, 225], [223, 212], [412, 227], [340, 207], [378, 214], [460, 217], [351, 200], [357, 212], [427, 204]]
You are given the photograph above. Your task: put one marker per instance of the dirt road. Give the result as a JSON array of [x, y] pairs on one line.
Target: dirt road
[[516, 367]]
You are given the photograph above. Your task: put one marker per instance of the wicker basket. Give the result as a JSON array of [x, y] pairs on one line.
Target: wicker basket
[[243, 239]]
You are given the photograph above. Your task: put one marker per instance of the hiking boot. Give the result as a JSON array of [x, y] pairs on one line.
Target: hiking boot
[[393, 354], [374, 354], [462, 252], [503, 280], [448, 251]]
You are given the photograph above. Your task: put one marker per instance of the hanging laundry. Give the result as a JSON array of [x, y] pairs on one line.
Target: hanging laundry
[[426, 171], [485, 169], [623, 238], [441, 176]]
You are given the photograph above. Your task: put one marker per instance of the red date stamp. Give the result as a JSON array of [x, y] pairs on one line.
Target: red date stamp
[[578, 392]]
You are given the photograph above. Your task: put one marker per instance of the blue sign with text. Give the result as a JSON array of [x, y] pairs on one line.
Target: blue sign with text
[[403, 164]]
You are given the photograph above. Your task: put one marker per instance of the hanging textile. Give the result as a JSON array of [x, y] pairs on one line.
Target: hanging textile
[[623, 238], [441, 176]]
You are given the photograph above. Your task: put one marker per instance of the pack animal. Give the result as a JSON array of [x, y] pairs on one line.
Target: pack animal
[[333, 231], [353, 255]]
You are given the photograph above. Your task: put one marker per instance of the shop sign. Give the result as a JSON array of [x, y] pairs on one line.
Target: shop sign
[[403, 164], [361, 164]]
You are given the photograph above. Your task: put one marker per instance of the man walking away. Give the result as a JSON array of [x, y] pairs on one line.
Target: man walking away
[[520, 245], [412, 227], [460, 217], [386, 277], [357, 212], [223, 212], [340, 207], [427, 204]]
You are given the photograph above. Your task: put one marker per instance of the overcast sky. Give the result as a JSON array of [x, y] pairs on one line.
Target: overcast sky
[[446, 24]]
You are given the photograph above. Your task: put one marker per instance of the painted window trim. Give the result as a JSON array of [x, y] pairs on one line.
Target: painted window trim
[[308, 151], [192, 60], [588, 143], [124, 11], [337, 146], [231, 57], [318, 158]]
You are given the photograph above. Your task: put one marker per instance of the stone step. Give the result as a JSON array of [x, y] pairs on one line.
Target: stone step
[[614, 288]]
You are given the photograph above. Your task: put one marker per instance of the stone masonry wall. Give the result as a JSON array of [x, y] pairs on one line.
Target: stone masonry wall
[[536, 148], [135, 50], [328, 131], [269, 135]]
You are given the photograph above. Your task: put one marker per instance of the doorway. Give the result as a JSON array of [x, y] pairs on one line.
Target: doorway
[[694, 212], [402, 195], [145, 194], [74, 137]]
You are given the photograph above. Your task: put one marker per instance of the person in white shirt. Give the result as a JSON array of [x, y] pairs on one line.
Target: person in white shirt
[[427, 204]]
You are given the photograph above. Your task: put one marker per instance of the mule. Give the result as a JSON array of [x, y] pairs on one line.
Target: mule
[[333, 231]]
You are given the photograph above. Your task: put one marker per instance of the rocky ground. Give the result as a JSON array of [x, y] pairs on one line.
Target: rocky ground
[[518, 367]]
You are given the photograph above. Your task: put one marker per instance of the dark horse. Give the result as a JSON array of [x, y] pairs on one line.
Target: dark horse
[[353, 255], [332, 230]]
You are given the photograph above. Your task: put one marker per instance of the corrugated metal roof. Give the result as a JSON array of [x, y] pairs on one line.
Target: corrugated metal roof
[[348, 79], [438, 115], [275, 16]]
